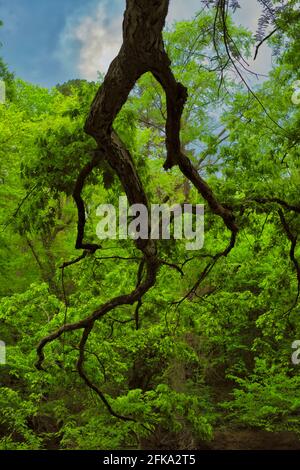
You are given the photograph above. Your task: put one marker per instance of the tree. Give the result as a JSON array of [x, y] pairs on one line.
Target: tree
[[162, 337]]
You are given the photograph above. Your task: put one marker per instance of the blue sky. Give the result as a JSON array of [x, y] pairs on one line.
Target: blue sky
[[51, 41]]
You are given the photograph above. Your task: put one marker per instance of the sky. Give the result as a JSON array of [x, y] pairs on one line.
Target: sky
[[51, 41]]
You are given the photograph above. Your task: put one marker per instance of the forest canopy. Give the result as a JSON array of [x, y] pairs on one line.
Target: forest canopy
[[137, 344]]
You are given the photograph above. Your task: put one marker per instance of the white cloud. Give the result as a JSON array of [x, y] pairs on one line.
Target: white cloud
[[95, 40], [92, 41]]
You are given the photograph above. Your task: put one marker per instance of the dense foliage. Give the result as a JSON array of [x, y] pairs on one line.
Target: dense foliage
[[194, 360]]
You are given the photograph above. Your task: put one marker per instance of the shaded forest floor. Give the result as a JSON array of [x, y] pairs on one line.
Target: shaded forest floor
[[252, 440], [232, 438]]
